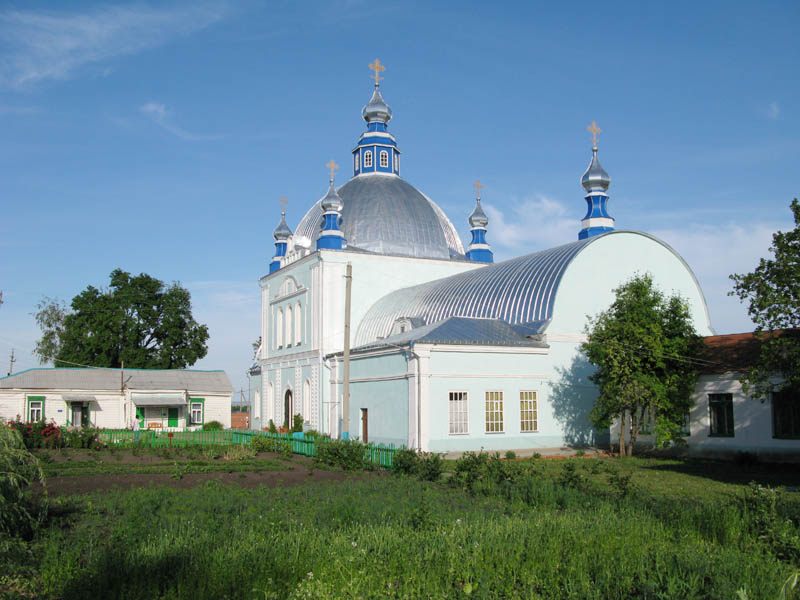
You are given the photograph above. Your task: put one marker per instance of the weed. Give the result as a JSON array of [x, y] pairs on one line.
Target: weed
[[580, 453], [536, 456], [570, 477], [510, 455], [621, 483]]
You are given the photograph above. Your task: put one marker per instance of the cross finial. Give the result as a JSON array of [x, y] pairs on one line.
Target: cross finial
[[332, 166], [377, 67], [594, 130], [478, 186], [283, 202]]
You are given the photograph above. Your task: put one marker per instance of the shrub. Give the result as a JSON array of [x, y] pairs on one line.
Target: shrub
[[272, 427], [266, 443], [570, 477], [213, 426], [430, 466], [39, 434], [580, 453], [349, 455], [511, 455], [20, 512], [239, 452], [621, 483], [405, 461], [536, 456], [83, 437], [297, 423], [469, 469]]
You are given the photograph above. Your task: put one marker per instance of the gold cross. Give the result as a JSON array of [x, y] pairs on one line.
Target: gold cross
[[594, 130], [478, 185], [377, 67], [283, 201], [332, 166]]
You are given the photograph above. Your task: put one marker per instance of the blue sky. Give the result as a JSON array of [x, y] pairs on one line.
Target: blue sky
[[157, 137]]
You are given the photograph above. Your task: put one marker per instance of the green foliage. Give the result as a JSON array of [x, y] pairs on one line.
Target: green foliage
[[268, 443], [21, 513], [213, 426], [297, 423], [40, 434], [430, 466], [239, 452], [570, 477], [510, 455], [580, 453], [138, 320], [777, 533], [772, 292], [349, 455], [644, 347], [621, 483], [405, 461], [272, 428]]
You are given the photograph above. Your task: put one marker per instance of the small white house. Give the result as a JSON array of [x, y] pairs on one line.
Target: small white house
[[725, 420], [172, 399]]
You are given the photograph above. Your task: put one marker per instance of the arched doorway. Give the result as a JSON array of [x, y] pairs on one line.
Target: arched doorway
[[287, 410]]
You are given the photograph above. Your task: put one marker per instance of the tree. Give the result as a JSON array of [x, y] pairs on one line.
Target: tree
[[138, 320], [773, 292], [644, 347]]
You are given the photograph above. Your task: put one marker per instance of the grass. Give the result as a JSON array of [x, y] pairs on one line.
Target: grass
[[542, 536]]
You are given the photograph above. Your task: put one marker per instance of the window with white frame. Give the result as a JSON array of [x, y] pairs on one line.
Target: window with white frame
[[384, 159], [458, 409], [494, 412], [396, 161], [367, 159], [279, 328], [528, 412], [357, 160], [289, 323], [298, 325], [197, 413], [35, 409]]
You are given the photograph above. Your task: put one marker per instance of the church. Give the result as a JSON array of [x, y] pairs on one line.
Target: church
[[378, 324]]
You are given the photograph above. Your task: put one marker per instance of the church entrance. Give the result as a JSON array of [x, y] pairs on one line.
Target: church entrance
[[287, 410]]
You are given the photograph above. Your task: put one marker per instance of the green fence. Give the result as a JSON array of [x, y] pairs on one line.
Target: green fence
[[380, 455]]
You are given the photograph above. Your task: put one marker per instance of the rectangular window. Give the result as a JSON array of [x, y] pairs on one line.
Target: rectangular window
[[720, 407], [785, 415], [494, 412], [35, 408], [528, 412], [197, 413], [458, 408]]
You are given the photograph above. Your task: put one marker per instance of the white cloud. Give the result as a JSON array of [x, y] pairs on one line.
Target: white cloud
[[162, 116], [773, 111], [49, 45], [533, 224]]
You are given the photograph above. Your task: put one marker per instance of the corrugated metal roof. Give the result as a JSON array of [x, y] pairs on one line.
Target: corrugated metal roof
[[109, 379], [460, 330], [516, 291]]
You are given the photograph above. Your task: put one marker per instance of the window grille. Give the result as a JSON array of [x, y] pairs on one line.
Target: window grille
[[494, 412], [528, 412], [458, 408]]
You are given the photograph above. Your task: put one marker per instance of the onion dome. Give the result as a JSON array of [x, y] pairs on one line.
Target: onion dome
[[332, 201], [478, 218], [282, 231], [595, 176], [377, 111]]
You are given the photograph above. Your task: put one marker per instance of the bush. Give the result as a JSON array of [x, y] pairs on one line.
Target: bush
[[266, 443], [83, 437], [40, 434], [405, 461], [511, 455], [430, 466], [297, 423], [272, 427], [349, 455], [21, 513], [213, 426]]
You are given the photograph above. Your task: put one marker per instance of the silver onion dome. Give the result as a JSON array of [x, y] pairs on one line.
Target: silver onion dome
[[332, 201], [282, 231], [377, 111], [595, 175], [478, 218]]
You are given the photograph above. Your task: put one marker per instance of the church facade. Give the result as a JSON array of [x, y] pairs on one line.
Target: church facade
[[446, 350]]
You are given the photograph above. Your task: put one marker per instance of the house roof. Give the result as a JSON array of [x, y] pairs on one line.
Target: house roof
[[110, 379], [736, 351]]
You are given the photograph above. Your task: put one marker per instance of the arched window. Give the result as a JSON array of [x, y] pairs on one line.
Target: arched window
[[270, 403], [357, 159], [289, 323], [298, 325], [396, 162], [279, 329], [367, 159], [307, 401], [384, 158]]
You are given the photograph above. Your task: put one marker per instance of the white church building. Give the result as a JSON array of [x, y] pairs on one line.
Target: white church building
[[448, 351]]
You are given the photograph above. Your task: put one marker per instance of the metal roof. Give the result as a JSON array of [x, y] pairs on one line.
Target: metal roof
[[387, 215], [460, 330], [516, 291], [212, 382]]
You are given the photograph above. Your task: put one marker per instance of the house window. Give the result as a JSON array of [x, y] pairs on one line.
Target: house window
[[528, 412], [494, 412], [298, 325], [357, 162], [288, 326], [785, 415], [459, 411], [384, 159], [396, 162], [367, 159], [35, 408], [197, 412], [720, 407]]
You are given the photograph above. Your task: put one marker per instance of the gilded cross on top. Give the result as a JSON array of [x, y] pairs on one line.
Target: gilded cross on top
[[478, 186], [332, 166], [377, 67], [283, 202], [594, 130]]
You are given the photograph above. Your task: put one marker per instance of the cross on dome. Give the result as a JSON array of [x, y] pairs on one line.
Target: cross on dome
[[377, 67], [283, 202], [478, 187], [332, 166], [594, 130]]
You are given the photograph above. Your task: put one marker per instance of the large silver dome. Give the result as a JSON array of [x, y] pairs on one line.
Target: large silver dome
[[386, 215]]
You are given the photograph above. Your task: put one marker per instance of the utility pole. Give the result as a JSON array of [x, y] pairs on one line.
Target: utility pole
[[11, 364], [348, 279]]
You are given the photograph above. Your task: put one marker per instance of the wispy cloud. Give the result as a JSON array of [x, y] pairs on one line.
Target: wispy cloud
[[18, 111], [532, 224], [46, 45], [773, 111], [162, 116]]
